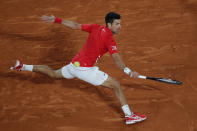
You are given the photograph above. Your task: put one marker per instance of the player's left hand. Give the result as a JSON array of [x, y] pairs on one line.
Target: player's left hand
[[48, 18]]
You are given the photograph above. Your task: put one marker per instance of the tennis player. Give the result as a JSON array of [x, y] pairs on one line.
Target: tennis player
[[99, 42]]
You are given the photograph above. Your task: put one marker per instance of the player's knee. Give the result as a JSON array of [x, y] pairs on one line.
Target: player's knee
[[111, 83], [52, 74], [115, 84]]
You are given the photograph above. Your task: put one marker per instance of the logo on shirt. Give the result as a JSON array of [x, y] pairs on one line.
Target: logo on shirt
[[98, 58], [114, 47], [103, 30]]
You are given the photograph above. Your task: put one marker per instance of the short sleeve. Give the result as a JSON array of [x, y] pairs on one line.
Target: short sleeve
[[111, 45], [87, 27]]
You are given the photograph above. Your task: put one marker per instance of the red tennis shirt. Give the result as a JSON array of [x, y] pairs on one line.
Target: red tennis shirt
[[99, 42]]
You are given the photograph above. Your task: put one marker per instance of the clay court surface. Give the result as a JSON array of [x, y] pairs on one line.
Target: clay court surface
[[158, 38]]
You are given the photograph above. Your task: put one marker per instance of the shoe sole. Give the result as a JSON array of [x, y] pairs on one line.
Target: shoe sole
[[135, 121], [129, 123]]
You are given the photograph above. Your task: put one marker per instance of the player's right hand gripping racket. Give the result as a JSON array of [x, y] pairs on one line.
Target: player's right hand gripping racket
[[165, 80]]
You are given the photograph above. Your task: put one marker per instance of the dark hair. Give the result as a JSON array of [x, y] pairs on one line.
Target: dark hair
[[110, 17]]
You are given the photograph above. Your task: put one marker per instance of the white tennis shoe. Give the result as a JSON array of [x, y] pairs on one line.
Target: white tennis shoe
[[131, 119], [18, 66]]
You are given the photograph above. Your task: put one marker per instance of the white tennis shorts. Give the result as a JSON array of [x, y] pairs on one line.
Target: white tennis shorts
[[91, 75]]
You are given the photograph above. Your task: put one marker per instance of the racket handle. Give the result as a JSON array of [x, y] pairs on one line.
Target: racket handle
[[142, 77]]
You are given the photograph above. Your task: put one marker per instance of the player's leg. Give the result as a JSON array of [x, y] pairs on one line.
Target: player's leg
[[115, 86], [43, 69], [131, 117], [98, 78]]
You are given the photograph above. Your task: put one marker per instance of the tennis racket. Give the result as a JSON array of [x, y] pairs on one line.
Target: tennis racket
[[165, 80]]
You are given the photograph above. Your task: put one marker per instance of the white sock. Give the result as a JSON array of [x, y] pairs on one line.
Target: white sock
[[27, 67], [126, 110]]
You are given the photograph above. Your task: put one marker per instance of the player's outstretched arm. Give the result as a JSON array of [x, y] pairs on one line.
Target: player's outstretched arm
[[121, 65], [53, 19], [118, 61], [71, 24]]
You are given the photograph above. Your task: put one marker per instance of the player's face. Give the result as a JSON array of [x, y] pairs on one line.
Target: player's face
[[115, 26]]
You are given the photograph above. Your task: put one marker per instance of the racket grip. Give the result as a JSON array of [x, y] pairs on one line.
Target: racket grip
[[142, 77]]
